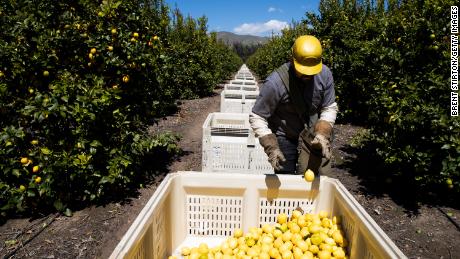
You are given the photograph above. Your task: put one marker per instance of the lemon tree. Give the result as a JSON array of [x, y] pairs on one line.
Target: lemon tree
[[390, 64], [79, 84]]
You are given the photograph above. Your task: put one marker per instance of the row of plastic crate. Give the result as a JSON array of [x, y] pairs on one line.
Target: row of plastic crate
[[240, 94], [229, 143]]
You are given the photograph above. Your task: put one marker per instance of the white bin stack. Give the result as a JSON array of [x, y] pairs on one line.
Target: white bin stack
[[229, 144]]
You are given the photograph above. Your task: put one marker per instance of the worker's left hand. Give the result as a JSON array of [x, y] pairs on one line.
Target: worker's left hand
[[322, 142]]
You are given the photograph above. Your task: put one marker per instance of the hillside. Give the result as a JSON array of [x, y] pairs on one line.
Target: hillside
[[231, 38]]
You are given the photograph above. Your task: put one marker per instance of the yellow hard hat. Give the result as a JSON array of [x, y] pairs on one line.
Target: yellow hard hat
[[306, 55]]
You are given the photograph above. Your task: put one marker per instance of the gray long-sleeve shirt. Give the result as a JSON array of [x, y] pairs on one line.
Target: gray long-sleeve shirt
[[274, 104]]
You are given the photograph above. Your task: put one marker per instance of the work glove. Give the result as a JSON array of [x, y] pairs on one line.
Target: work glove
[[273, 151], [322, 138]]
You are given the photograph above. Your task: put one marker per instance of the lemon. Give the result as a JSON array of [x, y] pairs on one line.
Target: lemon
[[339, 253], [314, 249], [297, 252], [286, 254], [233, 243], [282, 218], [316, 239], [267, 228], [93, 51], [274, 253], [125, 79], [314, 228], [24, 160], [324, 254], [337, 236], [22, 188], [46, 73], [238, 233], [250, 242], [136, 34], [302, 245], [34, 142], [203, 248], [301, 222], [264, 255], [286, 236], [309, 175], [35, 169], [296, 214], [185, 251], [38, 179], [277, 233], [323, 214], [110, 48]]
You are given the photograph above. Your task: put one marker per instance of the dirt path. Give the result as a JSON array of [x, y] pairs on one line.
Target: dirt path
[[420, 231]]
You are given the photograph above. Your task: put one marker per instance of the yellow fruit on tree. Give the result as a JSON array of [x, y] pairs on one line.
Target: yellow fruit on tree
[[135, 35], [22, 188], [34, 142], [46, 73], [125, 79], [309, 175], [38, 179], [35, 169], [110, 48], [113, 31], [24, 160], [156, 37], [93, 50], [90, 56]]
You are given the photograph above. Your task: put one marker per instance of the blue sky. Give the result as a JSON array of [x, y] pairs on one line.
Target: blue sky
[[254, 17]]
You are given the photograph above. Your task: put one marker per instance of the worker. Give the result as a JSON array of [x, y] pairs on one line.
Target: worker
[[295, 111]]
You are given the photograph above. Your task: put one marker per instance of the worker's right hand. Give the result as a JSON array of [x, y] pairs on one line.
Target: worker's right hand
[[271, 147]]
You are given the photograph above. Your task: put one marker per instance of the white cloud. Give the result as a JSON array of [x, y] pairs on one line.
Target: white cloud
[[261, 28], [272, 9]]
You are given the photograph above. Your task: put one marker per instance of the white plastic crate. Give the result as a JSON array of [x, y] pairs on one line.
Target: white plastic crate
[[234, 101], [229, 144], [231, 101], [193, 207], [232, 87], [244, 77], [243, 82]]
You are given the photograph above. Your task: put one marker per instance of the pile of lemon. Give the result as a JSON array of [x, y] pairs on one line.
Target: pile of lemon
[[302, 236]]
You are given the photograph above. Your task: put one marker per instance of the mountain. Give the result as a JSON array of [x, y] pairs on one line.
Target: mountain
[[230, 38]]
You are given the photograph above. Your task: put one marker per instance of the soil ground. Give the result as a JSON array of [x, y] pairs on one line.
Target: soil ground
[[421, 230]]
